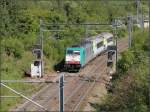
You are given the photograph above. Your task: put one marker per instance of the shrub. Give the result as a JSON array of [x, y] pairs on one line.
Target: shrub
[[127, 59], [13, 46]]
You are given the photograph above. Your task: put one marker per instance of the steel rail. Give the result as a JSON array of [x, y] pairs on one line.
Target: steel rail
[[54, 95], [78, 87], [82, 98], [51, 96], [33, 97], [37, 104], [75, 90], [81, 85]]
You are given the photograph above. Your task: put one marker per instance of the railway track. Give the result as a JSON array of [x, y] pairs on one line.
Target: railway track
[[82, 88], [76, 88]]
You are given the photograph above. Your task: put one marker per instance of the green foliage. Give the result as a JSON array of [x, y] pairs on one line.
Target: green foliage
[[10, 13], [56, 17], [27, 22], [131, 89], [13, 47], [126, 61], [28, 40], [122, 32]]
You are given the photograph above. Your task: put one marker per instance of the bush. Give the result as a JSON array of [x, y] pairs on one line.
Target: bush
[[122, 32], [13, 46], [126, 61], [130, 91]]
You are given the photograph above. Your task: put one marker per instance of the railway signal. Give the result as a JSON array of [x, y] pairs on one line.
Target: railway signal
[[111, 62], [37, 53], [110, 58]]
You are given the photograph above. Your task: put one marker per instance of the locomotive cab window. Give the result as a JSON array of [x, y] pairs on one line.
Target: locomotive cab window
[[69, 52], [76, 52], [100, 44]]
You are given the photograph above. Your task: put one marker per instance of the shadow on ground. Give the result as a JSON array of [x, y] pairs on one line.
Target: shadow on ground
[[60, 66]]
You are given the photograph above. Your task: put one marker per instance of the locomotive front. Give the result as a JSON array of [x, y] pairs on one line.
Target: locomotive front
[[72, 59]]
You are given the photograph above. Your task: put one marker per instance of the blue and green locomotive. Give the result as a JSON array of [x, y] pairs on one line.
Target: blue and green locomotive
[[78, 56]]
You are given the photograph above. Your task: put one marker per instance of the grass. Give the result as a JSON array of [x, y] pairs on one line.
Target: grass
[[12, 70]]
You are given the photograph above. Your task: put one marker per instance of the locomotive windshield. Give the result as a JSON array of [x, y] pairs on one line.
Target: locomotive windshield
[[76, 52], [71, 52]]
